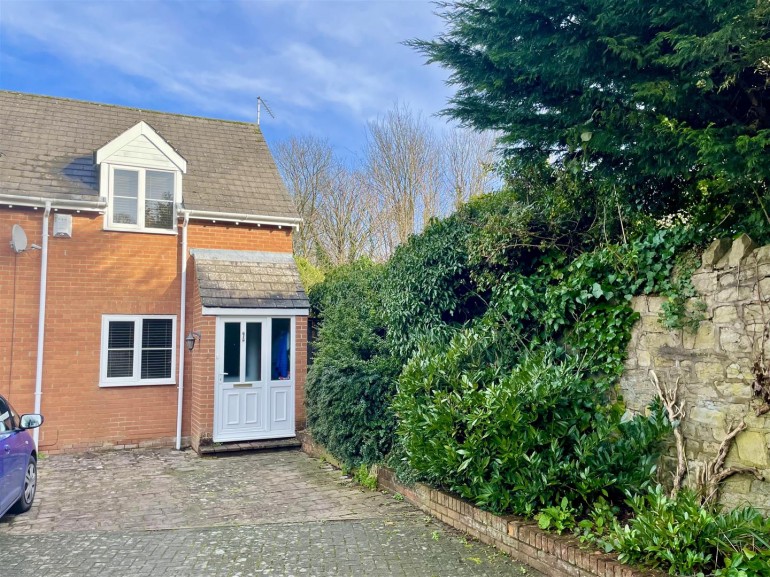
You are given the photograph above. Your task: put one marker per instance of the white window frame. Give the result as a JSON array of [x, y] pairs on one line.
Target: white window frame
[[135, 380], [108, 175]]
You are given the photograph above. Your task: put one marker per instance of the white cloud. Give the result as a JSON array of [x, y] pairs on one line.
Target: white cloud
[[319, 64]]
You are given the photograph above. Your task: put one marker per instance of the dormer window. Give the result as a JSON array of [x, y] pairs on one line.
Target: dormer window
[[142, 198], [141, 178]]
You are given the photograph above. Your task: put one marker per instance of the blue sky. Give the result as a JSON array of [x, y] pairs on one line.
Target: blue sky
[[324, 67]]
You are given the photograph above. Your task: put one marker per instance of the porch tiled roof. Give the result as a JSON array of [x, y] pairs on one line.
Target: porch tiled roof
[[248, 279], [47, 148]]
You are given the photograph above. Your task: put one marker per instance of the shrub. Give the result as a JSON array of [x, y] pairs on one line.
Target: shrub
[[519, 431], [309, 274], [428, 288], [443, 277], [681, 536], [353, 375], [364, 477]]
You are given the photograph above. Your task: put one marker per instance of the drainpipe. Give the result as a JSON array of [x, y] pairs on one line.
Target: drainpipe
[[41, 317], [182, 315]]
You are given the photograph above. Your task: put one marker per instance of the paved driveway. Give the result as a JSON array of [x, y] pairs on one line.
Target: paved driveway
[[163, 512]]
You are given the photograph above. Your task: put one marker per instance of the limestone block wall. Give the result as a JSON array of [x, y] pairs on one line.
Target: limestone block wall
[[713, 365]]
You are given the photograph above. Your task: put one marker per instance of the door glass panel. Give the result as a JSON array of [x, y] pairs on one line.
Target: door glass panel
[[280, 359], [253, 352], [232, 352]]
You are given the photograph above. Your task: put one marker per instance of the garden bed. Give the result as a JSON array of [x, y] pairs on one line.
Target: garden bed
[[554, 555]]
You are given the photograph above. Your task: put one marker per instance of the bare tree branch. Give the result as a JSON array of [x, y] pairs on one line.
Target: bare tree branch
[[468, 164], [402, 163], [308, 168], [676, 413]]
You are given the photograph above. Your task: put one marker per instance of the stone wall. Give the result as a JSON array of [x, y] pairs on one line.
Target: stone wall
[[713, 365]]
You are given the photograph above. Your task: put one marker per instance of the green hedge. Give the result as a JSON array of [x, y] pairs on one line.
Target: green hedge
[[353, 375], [519, 431]]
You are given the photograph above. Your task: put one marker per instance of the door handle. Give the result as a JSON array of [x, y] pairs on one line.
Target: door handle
[[7, 448]]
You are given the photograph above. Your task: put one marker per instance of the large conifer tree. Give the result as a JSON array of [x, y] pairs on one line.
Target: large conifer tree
[[665, 103]]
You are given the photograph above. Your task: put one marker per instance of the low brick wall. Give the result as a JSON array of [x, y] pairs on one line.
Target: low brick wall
[[554, 555], [315, 450]]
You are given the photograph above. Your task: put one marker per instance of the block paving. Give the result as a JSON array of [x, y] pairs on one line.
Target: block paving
[[163, 512]]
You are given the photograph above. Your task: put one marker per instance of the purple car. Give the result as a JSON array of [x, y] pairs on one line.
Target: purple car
[[18, 459]]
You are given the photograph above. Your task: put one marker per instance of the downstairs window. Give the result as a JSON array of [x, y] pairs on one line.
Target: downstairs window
[[138, 350]]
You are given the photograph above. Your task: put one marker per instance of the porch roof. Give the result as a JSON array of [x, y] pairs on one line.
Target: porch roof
[[248, 279]]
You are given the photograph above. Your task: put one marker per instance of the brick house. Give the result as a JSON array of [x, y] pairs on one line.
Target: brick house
[[156, 301]]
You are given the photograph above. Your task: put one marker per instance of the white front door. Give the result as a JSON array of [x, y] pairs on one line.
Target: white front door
[[254, 386]]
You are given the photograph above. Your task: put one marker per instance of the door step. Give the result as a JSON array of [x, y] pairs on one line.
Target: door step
[[242, 446]]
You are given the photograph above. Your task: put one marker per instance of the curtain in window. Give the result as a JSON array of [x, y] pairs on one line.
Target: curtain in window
[[120, 349], [157, 342], [281, 352]]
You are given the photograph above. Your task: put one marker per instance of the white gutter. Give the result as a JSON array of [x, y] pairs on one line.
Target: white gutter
[[247, 218], [56, 203], [41, 318], [182, 315]]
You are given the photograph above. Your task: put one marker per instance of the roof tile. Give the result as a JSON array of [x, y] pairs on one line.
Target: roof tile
[[229, 166], [248, 279]]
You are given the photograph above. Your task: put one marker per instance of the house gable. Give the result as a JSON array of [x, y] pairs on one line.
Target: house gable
[[140, 175], [141, 146]]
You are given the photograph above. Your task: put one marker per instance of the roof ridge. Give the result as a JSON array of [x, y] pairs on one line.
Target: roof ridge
[[132, 108]]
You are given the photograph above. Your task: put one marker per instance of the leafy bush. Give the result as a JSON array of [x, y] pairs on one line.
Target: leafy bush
[[353, 375], [598, 522], [685, 538], [558, 518], [518, 432], [514, 430], [444, 277], [309, 274], [428, 286], [365, 478]]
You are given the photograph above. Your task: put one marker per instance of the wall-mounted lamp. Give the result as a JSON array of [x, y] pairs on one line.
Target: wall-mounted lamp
[[190, 339]]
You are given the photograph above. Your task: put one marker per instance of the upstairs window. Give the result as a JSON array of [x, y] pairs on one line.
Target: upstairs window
[[142, 199]]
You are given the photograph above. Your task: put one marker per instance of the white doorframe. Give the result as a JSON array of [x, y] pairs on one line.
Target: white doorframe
[[270, 389]]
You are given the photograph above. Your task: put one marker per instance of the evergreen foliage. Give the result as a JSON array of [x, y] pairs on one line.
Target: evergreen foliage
[[681, 536], [515, 409], [519, 432], [353, 375], [309, 274], [663, 106]]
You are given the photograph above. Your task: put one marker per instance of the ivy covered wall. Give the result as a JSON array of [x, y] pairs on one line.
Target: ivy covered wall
[[720, 368]]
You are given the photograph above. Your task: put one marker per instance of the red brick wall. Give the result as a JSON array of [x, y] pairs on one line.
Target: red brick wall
[[230, 236], [202, 382], [19, 298], [300, 346], [100, 272]]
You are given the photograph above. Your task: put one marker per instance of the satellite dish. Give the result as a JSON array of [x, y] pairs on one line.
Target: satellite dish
[[18, 239]]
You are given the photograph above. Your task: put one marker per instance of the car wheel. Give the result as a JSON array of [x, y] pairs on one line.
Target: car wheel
[[30, 487]]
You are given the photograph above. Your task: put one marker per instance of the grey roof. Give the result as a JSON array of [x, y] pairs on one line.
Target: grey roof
[[47, 148], [248, 279]]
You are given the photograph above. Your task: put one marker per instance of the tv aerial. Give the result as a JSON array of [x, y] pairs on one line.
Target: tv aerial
[[260, 103]]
